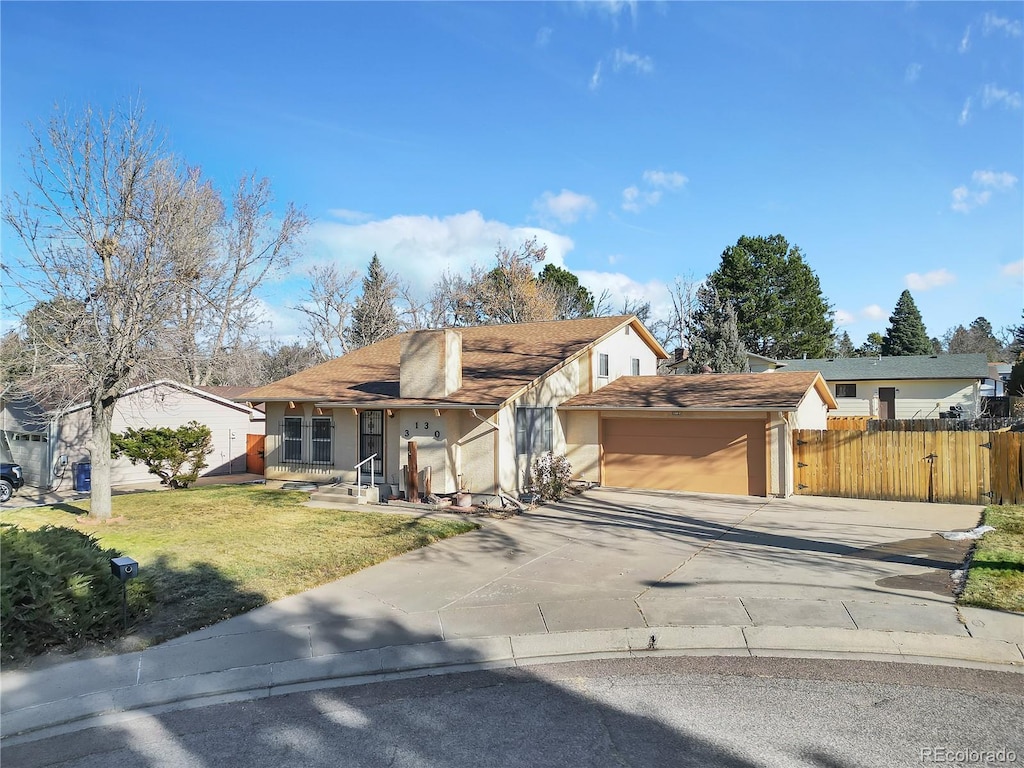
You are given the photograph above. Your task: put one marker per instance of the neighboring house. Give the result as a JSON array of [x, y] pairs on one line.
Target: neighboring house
[[907, 387], [756, 363], [47, 444], [481, 402], [25, 427]]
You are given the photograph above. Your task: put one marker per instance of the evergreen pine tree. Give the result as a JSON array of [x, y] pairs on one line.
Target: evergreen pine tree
[[715, 340], [906, 334], [374, 317], [844, 346], [780, 309]]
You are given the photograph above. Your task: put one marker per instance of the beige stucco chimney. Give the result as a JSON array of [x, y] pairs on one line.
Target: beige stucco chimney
[[431, 364]]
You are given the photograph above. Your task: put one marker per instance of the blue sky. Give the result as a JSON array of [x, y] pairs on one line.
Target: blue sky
[[637, 140]]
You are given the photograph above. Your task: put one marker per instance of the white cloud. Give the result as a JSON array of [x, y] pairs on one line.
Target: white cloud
[[595, 79], [622, 288], [421, 248], [934, 279], [623, 59], [965, 113], [635, 199], [874, 312], [996, 180], [665, 180], [1013, 269], [279, 321], [611, 9], [630, 197], [346, 214], [992, 94], [965, 41], [992, 23], [966, 199], [842, 317], [543, 37], [567, 206], [912, 73]]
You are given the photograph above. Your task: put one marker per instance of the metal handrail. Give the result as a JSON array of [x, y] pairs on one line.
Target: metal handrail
[[359, 474]]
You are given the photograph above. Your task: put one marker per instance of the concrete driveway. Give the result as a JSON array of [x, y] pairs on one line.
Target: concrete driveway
[[616, 558], [607, 573]]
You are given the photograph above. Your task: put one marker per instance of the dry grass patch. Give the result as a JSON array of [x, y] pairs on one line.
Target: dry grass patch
[[212, 552]]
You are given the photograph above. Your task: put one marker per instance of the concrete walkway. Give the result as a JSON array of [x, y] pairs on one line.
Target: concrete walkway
[[608, 573]]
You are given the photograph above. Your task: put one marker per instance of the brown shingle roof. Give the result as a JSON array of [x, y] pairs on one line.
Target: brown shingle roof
[[709, 391], [497, 362]]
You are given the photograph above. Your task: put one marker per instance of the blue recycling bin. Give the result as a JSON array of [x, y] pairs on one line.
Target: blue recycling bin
[[83, 476]]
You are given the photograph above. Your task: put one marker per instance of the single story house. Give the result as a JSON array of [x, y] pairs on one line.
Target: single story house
[[481, 402], [906, 387], [48, 443]]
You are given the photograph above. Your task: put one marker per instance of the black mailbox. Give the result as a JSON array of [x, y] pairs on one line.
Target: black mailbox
[[124, 568]]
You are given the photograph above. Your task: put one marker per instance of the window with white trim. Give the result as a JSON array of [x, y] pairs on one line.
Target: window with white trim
[[634, 366], [846, 390], [602, 364]]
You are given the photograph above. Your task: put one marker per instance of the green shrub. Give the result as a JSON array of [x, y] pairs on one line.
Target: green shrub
[[176, 456], [56, 589]]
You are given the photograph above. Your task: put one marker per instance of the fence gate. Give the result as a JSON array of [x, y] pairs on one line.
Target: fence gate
[[940, 466]]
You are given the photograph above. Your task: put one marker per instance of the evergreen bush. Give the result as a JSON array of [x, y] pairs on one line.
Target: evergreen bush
[[56, 589]]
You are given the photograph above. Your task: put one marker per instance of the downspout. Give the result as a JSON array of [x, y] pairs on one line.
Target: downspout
[[785, 456], [482, 420]]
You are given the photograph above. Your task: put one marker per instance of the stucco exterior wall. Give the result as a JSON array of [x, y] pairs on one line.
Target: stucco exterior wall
[[431, 434], [915, 399], [474, 450], [582, 446], [162, 406]]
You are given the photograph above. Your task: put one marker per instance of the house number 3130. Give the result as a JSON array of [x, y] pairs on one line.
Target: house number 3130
[[423, 427]]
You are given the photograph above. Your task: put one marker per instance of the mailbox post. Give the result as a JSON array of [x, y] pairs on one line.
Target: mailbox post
[[124, 568]]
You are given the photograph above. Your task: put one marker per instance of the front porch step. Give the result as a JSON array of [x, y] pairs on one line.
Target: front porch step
[[347, 493]]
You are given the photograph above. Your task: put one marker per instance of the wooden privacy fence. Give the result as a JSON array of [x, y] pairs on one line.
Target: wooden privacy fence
[[951, 467]]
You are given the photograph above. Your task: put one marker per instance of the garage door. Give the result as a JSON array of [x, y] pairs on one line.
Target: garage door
[[703, 456]]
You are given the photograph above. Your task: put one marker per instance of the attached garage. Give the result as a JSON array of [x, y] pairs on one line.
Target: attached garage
[[707, 433], [698, 455]]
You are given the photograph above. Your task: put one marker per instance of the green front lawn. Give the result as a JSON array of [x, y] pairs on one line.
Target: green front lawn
[[212, 552], [996, 576]]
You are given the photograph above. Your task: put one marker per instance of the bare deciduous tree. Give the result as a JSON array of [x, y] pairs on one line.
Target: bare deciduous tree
[[226, 258], [92, 223], [328, 309]]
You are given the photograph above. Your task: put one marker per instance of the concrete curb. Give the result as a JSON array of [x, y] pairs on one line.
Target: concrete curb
[[116, 691]]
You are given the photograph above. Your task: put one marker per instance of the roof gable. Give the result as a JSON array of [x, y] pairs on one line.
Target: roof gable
[[709, 392], [971, 366], [498, 362]]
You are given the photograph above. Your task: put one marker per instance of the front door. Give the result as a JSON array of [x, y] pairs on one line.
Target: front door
[[254, 448], [371, 440], [887, 402]]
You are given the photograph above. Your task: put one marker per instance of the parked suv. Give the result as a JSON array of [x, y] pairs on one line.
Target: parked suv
[[11, 479]]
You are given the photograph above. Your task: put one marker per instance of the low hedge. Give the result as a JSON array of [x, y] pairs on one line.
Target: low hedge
[[56, 589]]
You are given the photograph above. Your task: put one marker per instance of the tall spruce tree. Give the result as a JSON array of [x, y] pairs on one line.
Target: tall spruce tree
[[906, 334], [373, 316], [844, 346], [780, 309], [715, 341]]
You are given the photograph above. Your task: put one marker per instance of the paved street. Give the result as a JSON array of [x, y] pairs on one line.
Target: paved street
[[738, 713]]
